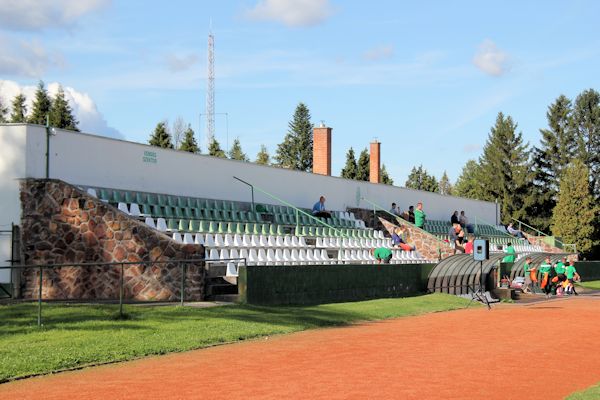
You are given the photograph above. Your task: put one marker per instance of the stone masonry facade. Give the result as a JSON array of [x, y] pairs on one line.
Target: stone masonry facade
[[61, 224]]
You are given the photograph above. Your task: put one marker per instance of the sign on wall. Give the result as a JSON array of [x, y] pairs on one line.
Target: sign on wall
[[149, 157]]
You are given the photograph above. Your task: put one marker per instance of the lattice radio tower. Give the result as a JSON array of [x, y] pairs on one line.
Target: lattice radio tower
[[210, 90]]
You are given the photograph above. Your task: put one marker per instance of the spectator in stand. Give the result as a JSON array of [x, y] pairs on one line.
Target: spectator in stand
[[319, 210], [456, 237], [411, 214], [515, 232], [464, 222], [469, 244], [510, 254], [454, 218], [419, 216], [395, 210], [382, 255], [399, 240]]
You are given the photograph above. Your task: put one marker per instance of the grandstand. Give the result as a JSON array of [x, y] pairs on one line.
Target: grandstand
[[152, 204]]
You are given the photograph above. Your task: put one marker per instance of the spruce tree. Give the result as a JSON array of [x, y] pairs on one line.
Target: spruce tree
[[504, 169], [214, 149], [61, 114], [295, 151], [41, 106], [236, 153], [444, 185], [586, 122], [385, 177], [420, 179], [263, 157], [349, 170], [160, 137], [467, 185], [189, 143], [19, 109], [575, 212], [363, 166]]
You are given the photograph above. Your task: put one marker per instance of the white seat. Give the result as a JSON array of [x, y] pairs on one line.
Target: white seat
[[336, 243], [309, 256], [271, 242], [295, 242], [244, 254], [219, 242], [263, 241], [254, 241], [150, 222], [237, 240], [134, 210], [341, 255], [279, 257], [347, 255], [213, 254], [271, 260], [199, 239], [123, 207], [209, 241], [287, 257], [287, 241], [317, 256], [188, 238], [325, 256], [262, 257], [279, 242], [161, 224], [252, 257], [232, 270], [92, 192], [301, 241], [228, 240], [177, 237], [233, 253], [295, 257], [246, 240], [224, 254], [302, 256], [319, 242]]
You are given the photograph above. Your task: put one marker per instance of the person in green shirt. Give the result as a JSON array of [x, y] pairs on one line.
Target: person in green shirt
[[382, 255], [510, 254], [530, 276], [419, 216], [559, 268], [545, 268], [571, 276]]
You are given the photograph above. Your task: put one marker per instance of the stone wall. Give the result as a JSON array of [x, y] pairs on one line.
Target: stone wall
[[60, 224], [540, 241]]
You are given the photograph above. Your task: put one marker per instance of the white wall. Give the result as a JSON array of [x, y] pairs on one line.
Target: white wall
[[98, 161]]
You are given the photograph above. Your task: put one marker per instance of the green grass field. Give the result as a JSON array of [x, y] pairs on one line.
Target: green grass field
[[79, 335], [594, 285], [592, 393]]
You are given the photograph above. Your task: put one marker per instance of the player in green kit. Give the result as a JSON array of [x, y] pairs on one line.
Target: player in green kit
[[559, 268], [530, 276], [572, 275], [546, 285], [382, 255]]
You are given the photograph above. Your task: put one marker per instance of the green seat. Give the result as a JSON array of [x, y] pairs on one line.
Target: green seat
[[187, 213], [212, 227], [172, 201], [230, 227], [256, 229], [172, 224], [201, 203], [184, 225], [117, 197], [182, 202], [161, 199], [178, 212], [105, 195], [152, 199], [202, 227], [194, 226], [277, 219], [168, 212], [157, 211], [222, 227], [239, 228], [298, 231], [280, 230], [248, 228], [129, 198], [272, 229], [265, 229], [141, 198], [146, 209]]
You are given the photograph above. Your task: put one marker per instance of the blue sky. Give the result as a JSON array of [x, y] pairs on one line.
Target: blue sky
[[425, 78]]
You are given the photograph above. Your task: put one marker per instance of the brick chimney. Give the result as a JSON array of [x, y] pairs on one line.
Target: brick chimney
[[322, 150], [374, 162]]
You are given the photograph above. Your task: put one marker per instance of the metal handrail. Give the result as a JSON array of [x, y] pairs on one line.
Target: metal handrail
[[492, 225], [544, 234]]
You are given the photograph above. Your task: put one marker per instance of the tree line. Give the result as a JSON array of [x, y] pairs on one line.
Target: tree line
[[44, 108]]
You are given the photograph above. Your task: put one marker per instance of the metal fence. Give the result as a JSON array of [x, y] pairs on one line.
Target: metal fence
[[121, 266]]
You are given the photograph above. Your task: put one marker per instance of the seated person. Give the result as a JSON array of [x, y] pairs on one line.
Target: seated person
[[515, 232], [382, 255], [318, 209], [469, 245], [464, 222], [456, 237], [398, 241], [394, 210], [411, 214], [454, 218]]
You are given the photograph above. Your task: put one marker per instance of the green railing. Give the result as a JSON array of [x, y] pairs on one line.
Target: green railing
[[540, 233], [397, 218], [484, 222], [296, 209]]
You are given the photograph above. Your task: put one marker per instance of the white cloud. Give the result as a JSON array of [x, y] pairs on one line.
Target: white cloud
[[490, 59], [84, 108], [382, 52], [292, 13], [26, 58], [177, 63], [35, 15]]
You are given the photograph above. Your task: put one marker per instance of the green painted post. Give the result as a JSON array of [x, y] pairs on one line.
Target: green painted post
[[121, 292], [40, 300], [182, 265]]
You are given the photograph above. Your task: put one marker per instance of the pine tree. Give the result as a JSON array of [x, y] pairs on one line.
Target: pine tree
[[189, 143], [41, 106], [61, 114], [263, 157], [419, 179], [363, 166], [467, 185], [586, 122], [295, 151], [575, 211], [3, 112], [19, 109], [444, 185], [236, 153], [504, 169], [160, 137], [349, 170], [385, 177], [214, 149]]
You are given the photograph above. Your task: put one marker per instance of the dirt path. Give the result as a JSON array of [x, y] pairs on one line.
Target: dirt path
[[511, 352]]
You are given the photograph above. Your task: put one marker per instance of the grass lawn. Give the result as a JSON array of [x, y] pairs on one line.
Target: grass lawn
[[594, 285], [592, 393], [79, 335]]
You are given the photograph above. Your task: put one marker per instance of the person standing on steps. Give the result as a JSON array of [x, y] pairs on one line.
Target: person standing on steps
[[419, 216]]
